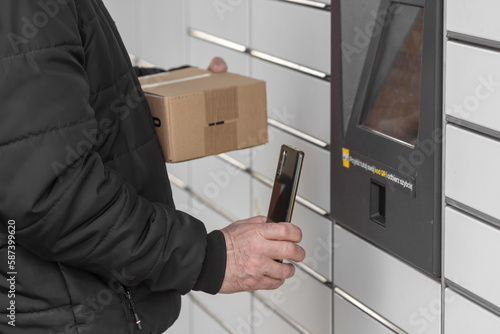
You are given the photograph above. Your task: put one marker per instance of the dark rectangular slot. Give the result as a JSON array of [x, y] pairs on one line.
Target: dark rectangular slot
[[377, 203], [218, 123]]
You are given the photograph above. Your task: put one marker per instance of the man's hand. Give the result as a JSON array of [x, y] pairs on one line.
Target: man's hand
[[252, 245], [217, 65]]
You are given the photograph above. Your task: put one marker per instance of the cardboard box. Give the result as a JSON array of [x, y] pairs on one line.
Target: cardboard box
[[198, 113]]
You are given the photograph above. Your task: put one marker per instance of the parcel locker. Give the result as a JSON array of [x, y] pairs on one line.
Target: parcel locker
[[386, 125]]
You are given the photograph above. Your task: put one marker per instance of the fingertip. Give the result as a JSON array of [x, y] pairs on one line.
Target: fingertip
[[297, 232], [292, 270], [303, 254], [300, 234], [279, 283]]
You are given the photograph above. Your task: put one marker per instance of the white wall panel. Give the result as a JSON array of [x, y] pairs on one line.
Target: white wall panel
[[315, 177], [223, 18], [471, 172], [212, 219], [465, 317], [223, 184], [233, 309], [296, 33], [181, 199], [306, 300], [471, 255], [183, 323], [162, 33], [472, 94], [473, 84], [202, 322], [265, 321], [477, 18], [124, 13], [179, 170], [385, 284], [244, 156], [349, 320], [295, 99]]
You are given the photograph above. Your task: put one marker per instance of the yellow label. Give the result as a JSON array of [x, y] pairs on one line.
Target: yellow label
[[345, 157]]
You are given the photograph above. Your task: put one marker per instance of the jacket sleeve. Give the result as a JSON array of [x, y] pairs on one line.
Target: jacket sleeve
[[68, 206]]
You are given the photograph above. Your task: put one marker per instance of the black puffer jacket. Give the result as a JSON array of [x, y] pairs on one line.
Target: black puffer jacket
[[83, 181]]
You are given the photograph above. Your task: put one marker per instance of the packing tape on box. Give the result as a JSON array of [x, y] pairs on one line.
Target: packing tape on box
[[221, 138], [221, 112], [176, 81]]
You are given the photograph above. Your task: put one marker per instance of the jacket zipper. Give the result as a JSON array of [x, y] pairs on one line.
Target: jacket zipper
[[131, 306]]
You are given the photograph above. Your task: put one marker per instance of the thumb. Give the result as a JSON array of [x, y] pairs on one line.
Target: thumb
[[218, 65]]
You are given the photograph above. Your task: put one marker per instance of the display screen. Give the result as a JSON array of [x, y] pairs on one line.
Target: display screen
[[382, 44], [392, 101]]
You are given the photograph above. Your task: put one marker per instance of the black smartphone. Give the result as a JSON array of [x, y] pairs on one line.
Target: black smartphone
[[285, 185]]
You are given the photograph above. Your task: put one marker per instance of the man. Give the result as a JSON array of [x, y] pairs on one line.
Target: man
[[90, 241]]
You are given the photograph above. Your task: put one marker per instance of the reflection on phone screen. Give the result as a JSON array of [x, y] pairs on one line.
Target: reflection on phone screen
[[279, 207]]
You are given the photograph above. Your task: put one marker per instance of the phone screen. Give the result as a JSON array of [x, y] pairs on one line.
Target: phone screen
[[285, 185]]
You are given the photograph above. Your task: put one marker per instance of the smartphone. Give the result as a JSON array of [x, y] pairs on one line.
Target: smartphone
[[285, 185]]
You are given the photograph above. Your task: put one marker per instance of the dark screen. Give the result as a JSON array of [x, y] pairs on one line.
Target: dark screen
[[393, 99], [281, 198], [382, 49]]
